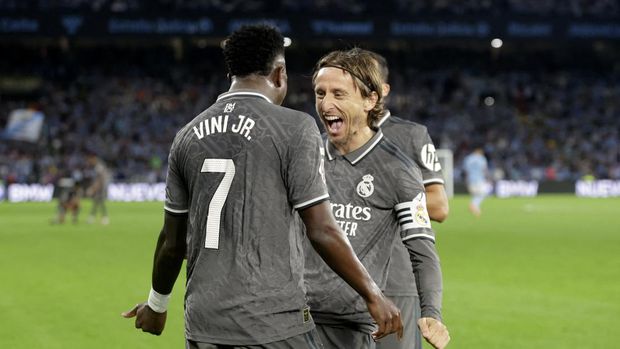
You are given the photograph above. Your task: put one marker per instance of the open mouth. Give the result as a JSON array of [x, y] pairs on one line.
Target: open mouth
[[334, 123]]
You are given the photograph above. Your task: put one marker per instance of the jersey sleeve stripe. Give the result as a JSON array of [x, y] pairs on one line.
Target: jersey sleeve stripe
[[419, 236], [175, 210], [433, 180], [310, 202], [405, 221], [402, 206]]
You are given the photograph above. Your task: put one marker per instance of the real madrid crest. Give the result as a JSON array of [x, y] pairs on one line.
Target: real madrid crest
[[421, 216], [365, 188]]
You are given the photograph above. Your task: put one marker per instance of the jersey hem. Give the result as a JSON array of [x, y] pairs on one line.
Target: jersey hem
[[311, 202], [173, 210], [432, 181], [419, 236], [253, 341]]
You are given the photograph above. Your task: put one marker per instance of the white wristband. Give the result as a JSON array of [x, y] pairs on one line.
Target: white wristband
[[157, 301]]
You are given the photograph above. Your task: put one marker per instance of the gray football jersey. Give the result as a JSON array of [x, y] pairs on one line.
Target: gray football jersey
[[413, 139], [376, 192], [240, 169]]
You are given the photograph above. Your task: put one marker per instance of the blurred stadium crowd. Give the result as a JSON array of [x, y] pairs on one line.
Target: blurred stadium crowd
[[125, 103], [577, 8], [560, 125]]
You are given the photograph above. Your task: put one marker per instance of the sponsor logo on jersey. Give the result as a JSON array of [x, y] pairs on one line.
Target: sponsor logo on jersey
[[365, 188], [348, 215], [429, 157]]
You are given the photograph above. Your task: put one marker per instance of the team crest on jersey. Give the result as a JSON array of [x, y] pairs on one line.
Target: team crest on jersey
[[365, 188], [420, 214], [229, 107]]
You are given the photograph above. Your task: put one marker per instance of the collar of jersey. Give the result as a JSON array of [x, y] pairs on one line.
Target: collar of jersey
[[243, 93], [358, 154], [386, 116]]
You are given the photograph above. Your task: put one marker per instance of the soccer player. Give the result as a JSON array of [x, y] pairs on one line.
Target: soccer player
[[476, 169], [69, 194], [377, 194], [98, 189], [413, 139], [237, 174]]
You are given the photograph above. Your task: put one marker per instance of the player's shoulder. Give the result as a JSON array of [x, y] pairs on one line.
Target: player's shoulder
[[393, 155], [399, 123], [397, 166], [294, 116]]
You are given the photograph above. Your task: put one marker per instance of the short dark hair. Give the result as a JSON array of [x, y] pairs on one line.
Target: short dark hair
[[383, 66], [251, 49], [360, 64]]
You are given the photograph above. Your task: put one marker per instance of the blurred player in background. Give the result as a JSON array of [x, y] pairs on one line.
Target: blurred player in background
[[237, 174], [98, 189], [413, 139], [69, 195], [476, 169], [377, 194]]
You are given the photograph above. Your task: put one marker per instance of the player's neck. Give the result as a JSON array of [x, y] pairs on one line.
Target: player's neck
[[356, 141], [253, 83]]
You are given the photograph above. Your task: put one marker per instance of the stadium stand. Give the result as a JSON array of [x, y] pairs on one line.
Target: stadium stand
[[545, 114]]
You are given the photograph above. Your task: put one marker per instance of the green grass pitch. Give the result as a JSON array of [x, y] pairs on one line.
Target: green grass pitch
[[530, 273]]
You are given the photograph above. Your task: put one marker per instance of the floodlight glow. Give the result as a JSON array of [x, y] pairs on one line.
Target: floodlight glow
[[489, 101], [497, 43]]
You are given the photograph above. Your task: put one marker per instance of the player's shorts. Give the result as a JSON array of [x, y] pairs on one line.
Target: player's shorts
[[477, 189], [308, 340], [410, 313], [100, 196], [344, 338]]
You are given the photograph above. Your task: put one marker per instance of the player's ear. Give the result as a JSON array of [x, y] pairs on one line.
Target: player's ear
[[279, 77], [386, 89], [371, 101]]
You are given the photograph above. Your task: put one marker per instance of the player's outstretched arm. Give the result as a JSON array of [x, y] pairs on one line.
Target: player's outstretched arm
[[333, 246], [427, 270], [169, 253], [437, 202]]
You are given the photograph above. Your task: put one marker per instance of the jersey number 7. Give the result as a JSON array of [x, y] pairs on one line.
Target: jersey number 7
[[214, 217]]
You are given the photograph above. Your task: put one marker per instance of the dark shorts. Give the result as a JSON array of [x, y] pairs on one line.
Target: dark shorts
[[344, 338], [410, 313], [308, 340]]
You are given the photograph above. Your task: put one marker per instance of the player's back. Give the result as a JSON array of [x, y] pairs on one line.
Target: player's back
[[239, 162]]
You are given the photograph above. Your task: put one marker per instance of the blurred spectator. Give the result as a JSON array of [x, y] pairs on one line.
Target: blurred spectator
[[545, 126], [575, 8]]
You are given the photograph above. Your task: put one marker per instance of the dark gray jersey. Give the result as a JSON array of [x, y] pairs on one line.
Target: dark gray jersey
[[413, 139], [376, 192], [240, 169]]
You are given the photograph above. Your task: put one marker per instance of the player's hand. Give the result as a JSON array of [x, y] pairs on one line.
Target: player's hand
[[387, 317], [146, 319], [435, 333]]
